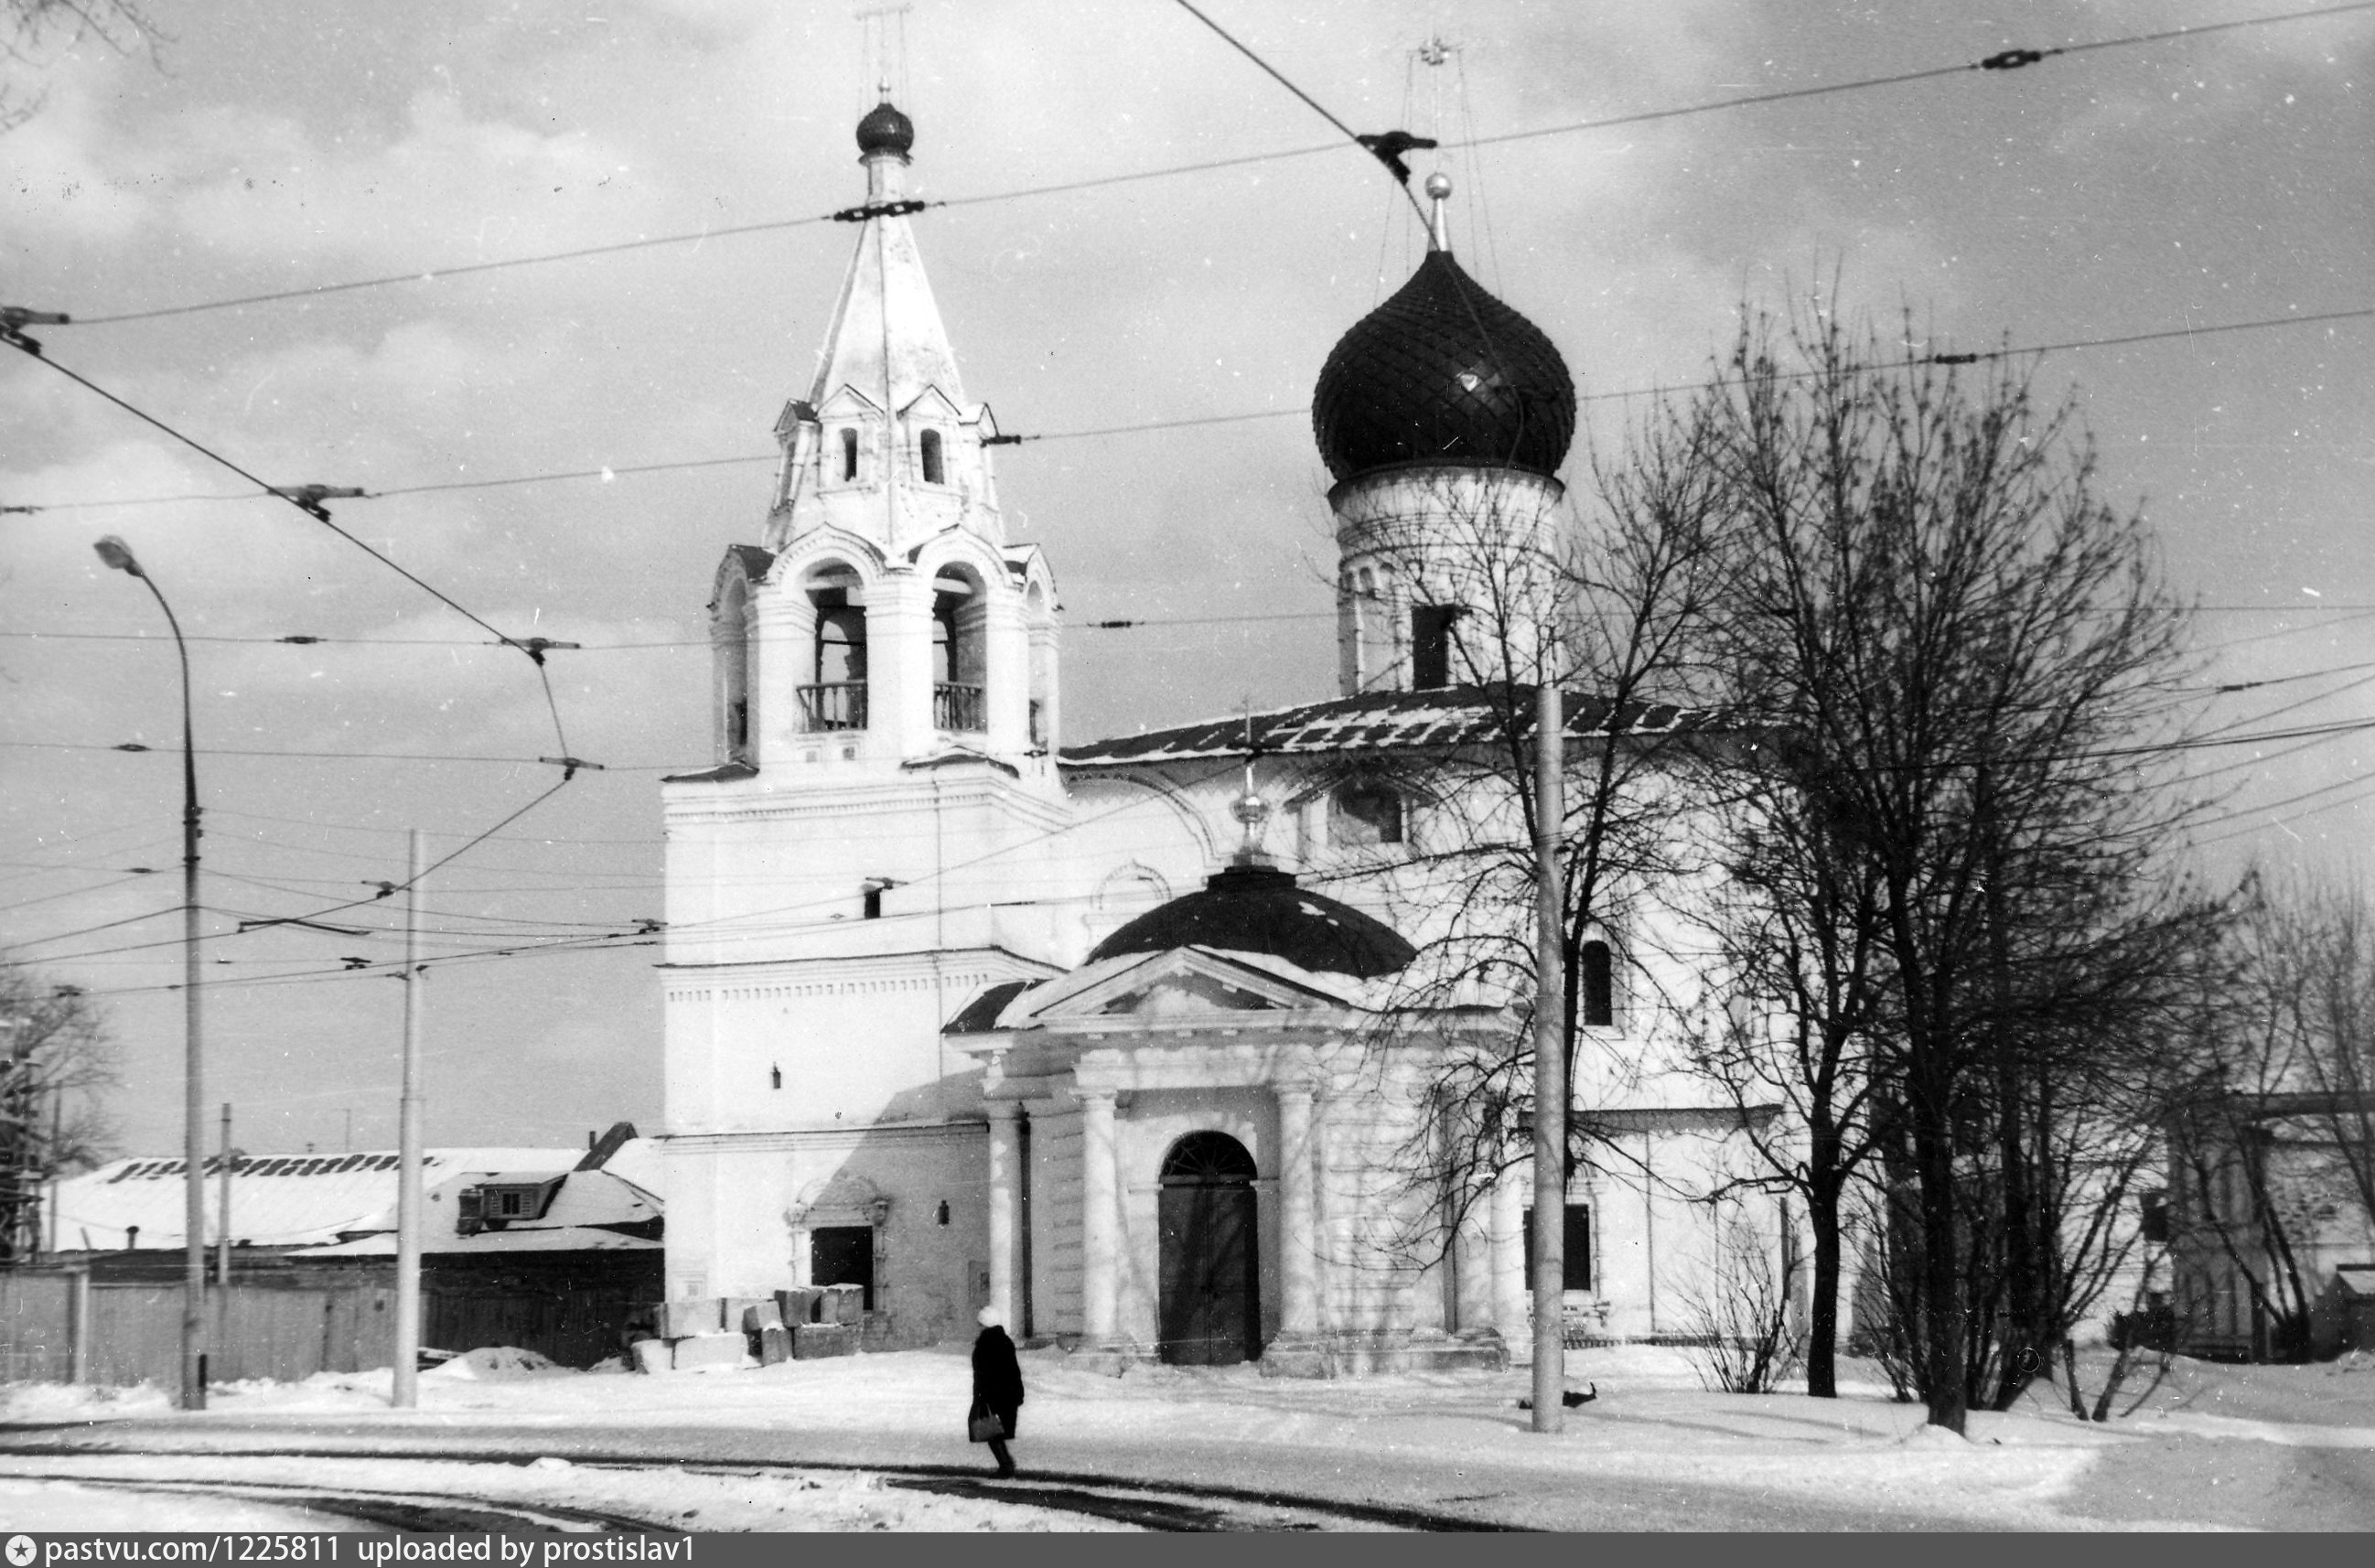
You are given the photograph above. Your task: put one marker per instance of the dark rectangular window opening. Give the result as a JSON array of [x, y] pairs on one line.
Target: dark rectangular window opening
[[1577, 1259], [848, 455], [1599, 984], [843, 1254], [872, 902], [1430, 635]]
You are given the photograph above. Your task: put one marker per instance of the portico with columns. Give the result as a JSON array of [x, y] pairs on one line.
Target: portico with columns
[[1185, 1149]]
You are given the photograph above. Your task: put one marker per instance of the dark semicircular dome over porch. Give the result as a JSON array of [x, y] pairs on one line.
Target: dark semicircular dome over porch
[[1259, 908]]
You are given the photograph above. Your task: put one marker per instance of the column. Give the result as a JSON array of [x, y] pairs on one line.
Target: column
[[1474, 1309], [1004, 1211], [1100, 1265], [1299, 1233], [1508, 1252]]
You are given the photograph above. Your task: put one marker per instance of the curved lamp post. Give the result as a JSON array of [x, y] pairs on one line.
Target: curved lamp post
[[118, 554]]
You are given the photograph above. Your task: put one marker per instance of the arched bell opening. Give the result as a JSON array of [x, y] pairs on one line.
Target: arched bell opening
[[959, 652], [730, 637], [1040, 627], [1209, 1253], [833, 694]]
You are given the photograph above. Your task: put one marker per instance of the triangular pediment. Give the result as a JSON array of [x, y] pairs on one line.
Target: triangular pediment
[[1179, 995], [848, 401], [1184, 983], [933, 404]]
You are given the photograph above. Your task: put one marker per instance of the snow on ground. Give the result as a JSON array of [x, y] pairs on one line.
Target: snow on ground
[[1654, 1420], [63, 1508], [791, 1501]]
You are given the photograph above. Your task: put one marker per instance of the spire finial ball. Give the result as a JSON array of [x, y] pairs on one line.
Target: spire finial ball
[[1438, 185], [884, 129]]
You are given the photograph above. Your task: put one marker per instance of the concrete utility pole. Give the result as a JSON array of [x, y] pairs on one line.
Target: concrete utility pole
[[406, 1392], [118, 554], [1550, 1062], [222, 1219]]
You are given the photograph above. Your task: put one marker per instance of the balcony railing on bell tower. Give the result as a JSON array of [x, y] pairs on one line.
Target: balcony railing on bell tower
[[957, 708], [831, 705]]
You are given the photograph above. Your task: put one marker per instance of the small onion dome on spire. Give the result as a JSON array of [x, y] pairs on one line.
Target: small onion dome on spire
[[1443, 372], [884, 129], [1257, 909]]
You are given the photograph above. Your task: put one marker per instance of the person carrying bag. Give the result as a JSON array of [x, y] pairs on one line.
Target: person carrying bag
[[996, 1390]]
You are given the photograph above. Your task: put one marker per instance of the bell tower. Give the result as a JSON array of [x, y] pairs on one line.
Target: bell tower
[[871, 846], [884, 617]]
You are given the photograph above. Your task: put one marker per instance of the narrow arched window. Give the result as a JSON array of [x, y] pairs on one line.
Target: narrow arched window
[[931, 444], [848, 455], [1599, 984]]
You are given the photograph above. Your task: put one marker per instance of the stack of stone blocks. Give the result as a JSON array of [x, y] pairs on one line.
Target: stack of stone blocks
[[803, 1324]]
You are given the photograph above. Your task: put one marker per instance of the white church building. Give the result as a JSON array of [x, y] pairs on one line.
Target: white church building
[[967, 1015]]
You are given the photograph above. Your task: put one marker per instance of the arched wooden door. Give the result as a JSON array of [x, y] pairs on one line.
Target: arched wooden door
[[1209, 1253]]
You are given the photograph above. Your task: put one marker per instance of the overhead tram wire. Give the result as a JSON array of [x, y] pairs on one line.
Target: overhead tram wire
[[721, 927], [308, 500], [1387, 148], [2001, 62], [1148, 427]]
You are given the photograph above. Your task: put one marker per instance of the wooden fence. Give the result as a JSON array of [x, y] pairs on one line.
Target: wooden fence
[[61, 1327]]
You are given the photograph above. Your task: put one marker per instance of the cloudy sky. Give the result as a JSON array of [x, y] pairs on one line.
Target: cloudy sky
[[2170, 187]]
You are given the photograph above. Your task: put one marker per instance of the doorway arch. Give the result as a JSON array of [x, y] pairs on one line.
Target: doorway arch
[[1209, 1269]]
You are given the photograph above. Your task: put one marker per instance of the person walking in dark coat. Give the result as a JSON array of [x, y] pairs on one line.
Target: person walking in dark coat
[[996, 1389]]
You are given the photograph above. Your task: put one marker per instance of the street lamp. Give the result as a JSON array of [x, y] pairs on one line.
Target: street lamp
[[118, 554]]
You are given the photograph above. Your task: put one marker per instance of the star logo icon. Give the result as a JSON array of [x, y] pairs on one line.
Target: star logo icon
[[20, 1550]]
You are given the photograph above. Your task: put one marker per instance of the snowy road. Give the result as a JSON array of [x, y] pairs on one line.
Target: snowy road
[[1240, 1483], [805, 1444]]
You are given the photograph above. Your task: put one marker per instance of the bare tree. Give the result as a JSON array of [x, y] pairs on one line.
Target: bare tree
[[1969, 652], [2271, 1151], [1611, 606], [2331, 940], [57, 1059], [1794, 1007], [33, 31], [1748, 1334]]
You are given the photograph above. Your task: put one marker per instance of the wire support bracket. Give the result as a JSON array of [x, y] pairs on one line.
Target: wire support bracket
[[309, 497], [872, 210], [569, 766], [14, 318], [2013, 59]]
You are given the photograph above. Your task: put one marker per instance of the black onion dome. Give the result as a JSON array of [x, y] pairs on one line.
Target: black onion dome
[[1257, 909], [884, 129], [1443, 372]]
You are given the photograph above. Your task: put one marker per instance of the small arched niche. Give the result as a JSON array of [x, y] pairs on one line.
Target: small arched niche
[[960, 650], [928, 449], [833, 691]]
